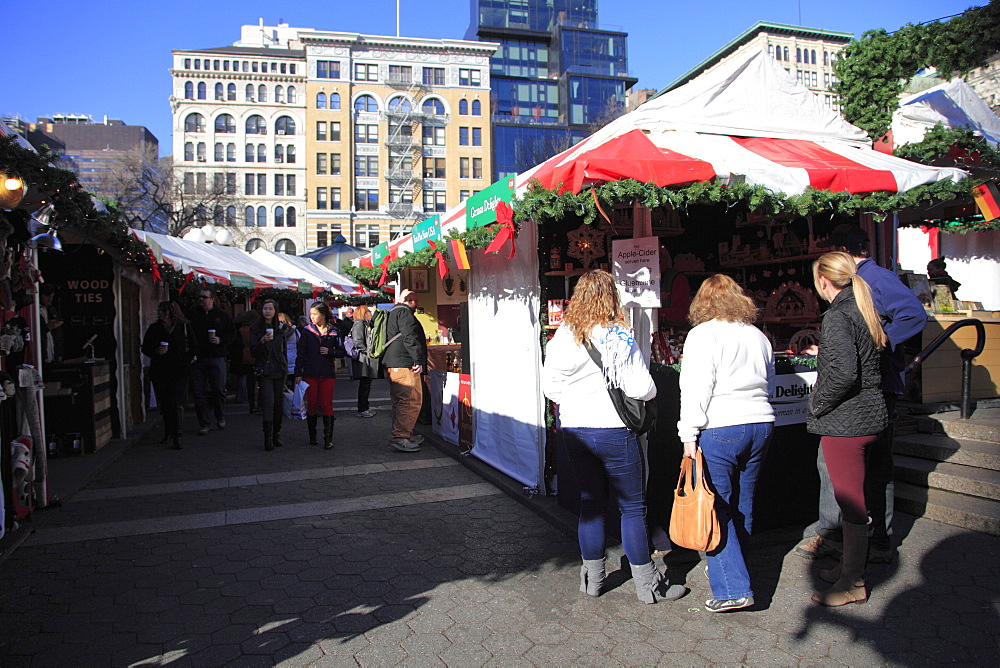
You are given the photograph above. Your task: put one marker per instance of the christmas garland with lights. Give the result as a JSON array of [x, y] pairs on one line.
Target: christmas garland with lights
[[960, 147]]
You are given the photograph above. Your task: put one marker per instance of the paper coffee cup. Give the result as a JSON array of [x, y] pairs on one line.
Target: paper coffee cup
[[164, 343], [211, 332], [269, 331]]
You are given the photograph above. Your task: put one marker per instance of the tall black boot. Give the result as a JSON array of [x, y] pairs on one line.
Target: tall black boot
[[268, 442], [328, 432], [850, 586], [275, 430], [311, 423]]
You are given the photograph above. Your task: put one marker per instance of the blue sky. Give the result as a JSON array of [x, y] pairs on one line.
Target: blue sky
[[107, 57]]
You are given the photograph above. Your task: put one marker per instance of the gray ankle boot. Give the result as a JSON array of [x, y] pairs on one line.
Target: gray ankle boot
[[651, 585], [592, 576]]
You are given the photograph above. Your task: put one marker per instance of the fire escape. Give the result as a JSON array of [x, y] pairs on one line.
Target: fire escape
[[404, 141]]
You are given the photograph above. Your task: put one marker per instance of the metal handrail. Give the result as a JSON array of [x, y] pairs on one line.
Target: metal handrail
[[967, 356]]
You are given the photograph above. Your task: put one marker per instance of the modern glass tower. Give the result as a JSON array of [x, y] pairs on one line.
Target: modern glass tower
[[556, 77]]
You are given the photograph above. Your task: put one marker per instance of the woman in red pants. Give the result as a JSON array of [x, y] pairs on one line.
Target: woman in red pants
[[314, 363], [847, 410]]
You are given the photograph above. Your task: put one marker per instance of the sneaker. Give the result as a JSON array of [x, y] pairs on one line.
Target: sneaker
[[404, 445], [877, 555], [222, 423], [203, 430], [715, 605], [416, 439], [818, 547], [366, 414]]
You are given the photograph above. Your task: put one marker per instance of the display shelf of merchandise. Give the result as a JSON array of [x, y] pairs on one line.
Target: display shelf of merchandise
[[770, 260], [567, 272]]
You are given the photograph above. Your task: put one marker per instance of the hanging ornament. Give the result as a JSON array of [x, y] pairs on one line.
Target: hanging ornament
[[586, 243]]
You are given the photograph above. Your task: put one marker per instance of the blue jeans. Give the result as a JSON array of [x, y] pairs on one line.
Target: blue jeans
[[733, 457], [211, 370], [599, 457]]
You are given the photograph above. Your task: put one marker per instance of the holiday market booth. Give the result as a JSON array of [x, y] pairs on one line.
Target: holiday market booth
[[742, 171]]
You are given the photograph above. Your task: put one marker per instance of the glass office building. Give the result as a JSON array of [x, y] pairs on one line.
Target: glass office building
[[555, 79]]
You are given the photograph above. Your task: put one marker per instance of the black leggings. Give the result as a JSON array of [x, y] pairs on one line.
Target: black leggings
[[271, 398], [364, 389]]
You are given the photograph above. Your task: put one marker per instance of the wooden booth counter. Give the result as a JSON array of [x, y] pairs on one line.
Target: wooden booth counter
[[78, 401], [939, 378]]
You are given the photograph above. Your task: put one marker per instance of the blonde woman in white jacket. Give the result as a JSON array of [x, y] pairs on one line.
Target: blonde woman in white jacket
[[602, 452]]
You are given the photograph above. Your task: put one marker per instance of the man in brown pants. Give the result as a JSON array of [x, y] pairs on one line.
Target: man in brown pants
[[404, 358]]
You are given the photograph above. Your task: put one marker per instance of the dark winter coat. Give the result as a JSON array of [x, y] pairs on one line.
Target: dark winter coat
[[847, 398], [271, 357], [182, 347], [364, 366], [411, 347], [218, 320], [309, 363]]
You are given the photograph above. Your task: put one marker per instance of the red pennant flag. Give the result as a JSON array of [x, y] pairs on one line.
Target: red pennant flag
[[505, 217], [154, 267], [442, 267], [458, 253], [385, 271]]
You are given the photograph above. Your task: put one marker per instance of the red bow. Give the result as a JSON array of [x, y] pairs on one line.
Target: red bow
[[154, 266], [442, 267], [385, 270], [505, 217], [187, 279]]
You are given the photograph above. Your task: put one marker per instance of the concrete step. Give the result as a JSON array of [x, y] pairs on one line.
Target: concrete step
[[984, 425], [968, 480], [969, 512], [942, 448]]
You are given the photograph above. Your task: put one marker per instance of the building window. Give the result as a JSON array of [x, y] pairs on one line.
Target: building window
[[218, 216], [434, 200], [254, 244], [399, 104], [396, 231], [202, 90], [188, 151], [400, 196], [335, 100], [335, 164], [188, 183], [366, 134], [291, 68], [285, 125], [363, 72], [201, 151], [400, 74], [290, 217], [463, 195], [433, 106], [230, 152], [231, 92], [194, 123], [434, 168], [279, 153], [256, 125], [230, 215], [218, 183], [327, 69], [261, 153], [812, 59], [433, 135], [433, 76], [248, 184], [335, 198], [220, 152], [215, 65], [335, 130], [798, 55], [248, 217], [254, 66], [249, 93], [201, 183], [282, 68], [262, 184], [320, 198], [250, 153], [366, 236], [365, 103], [197, 63], [279, 185], [463, 168], [786, 54], [321, 163], [463, 136], [321, 237], [279, 216], [320, 130], [321, 100], [188, 90], [477, 168], [477, 136], [187, 63], [826, 58], [477, 108], [463, 107], [220, 93], [261, 217], [286, 246], [290, 155], [469, 77], [366, 165], [290, 184], [366, 199], [279, 93], [262, 93], [225, 123]]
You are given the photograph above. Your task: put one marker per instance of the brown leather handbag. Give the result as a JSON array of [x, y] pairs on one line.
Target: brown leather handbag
[[693, 522]]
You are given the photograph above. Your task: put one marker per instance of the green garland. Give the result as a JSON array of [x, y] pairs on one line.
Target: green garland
[[961, 147]]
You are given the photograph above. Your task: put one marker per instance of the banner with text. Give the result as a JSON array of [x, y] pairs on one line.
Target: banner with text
[[480, 209], [636, 268], [427, 230], [789, 396], [379, 252]]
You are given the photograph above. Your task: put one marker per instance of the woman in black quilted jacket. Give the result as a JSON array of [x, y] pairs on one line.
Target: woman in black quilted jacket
[[847, 409]]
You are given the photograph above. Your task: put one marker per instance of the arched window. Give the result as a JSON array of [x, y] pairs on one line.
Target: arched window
[[400, 104], [826, 58], [321, 100], [188, 151], [262, 93], [335, 100], [813, 57], [218, 216], [365, 103], [254, 244], [249, 93], [194, 123], [261, 153], [231, 215], [202, 90], [433, 106], [231, 92], [248, 217], [285, 125], [477, 108], [250, 153], [290, 154], [219, 152], [279, 216], [279, 93], [798, 55], [225, 123], [463, 107], [785, 57], [279, 153], [290, 217], [230, 152], [286, 246], [292, 95], [219, 92], [256, 125], [261, 217], [188, 90]]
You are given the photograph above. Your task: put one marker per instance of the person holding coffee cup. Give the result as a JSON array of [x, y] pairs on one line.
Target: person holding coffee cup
[[268, 338], [216, 333], [315, 363], [171, 345]]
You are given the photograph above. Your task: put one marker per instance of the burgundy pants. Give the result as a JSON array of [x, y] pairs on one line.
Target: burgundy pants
[[845, 460]]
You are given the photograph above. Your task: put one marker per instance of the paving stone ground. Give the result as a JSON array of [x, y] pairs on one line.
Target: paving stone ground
[[224, 554]]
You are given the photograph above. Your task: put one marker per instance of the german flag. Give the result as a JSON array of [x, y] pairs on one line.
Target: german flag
[[458, 254], [988, 200]]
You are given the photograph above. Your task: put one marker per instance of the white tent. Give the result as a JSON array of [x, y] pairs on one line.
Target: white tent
[[312, 271], [952, 104]]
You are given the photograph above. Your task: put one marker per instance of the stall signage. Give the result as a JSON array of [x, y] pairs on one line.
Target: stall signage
[[637, 271], [305, 288], [428, 230], [466, 439], [480, 209], [379, 253], [240, 281], [789, 396]]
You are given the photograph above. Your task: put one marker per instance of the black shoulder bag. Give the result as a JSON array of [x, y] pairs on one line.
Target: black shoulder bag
[[638, 415]]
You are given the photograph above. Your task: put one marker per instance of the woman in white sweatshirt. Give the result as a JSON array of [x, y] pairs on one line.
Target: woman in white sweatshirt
[[724, 409], [600, 449]]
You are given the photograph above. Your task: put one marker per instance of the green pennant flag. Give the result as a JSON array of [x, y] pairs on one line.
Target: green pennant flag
[[240, 281], [428, 230], [305, 288], [379, 252], [480, 208]]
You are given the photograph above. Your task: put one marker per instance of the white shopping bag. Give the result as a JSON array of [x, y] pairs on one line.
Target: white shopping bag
[[295, 402]]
